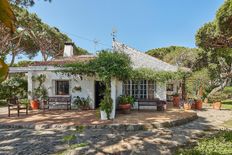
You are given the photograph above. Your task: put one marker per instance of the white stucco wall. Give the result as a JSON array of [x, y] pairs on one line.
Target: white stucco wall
[[86, 84]]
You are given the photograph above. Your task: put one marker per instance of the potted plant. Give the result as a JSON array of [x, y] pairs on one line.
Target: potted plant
[[125, 103], [216, 100], [191, 101], [198, 102], [187, 106], [82, 103], [176, 100], [34, 102], [106, 104], [39, 93]]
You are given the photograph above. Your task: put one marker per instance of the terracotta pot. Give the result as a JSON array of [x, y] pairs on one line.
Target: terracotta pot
[[187, 106], [34, 104], [193, 106], [198, 104], [217, 105], [125, 108], [176, 101]]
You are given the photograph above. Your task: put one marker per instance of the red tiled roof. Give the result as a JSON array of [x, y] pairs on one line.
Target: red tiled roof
[[63, 61]]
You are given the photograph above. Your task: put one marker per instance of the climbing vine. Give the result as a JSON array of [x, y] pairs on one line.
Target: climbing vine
[[108, 65]]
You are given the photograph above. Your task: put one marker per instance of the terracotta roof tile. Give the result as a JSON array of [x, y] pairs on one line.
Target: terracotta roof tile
[[63, 61]]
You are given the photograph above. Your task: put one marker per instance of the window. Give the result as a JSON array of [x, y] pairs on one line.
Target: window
[[170, 87], [62, 87], [140, 89]]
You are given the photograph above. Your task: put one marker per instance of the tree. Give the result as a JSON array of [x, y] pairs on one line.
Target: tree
[[7, 15], [177, 55], [3, 70], [25, 3], [216, 39], [33, 36]]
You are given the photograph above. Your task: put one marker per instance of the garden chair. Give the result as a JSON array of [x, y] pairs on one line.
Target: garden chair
[[14, 104]]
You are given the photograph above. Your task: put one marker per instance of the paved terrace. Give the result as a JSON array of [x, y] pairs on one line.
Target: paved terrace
[[66, 118], [161, 141]]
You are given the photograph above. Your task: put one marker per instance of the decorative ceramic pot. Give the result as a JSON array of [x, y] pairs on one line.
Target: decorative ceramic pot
[[198, 104], [187, 106], [176, 101], [217, 105], [193, 106], [34, 104], [125, 108]]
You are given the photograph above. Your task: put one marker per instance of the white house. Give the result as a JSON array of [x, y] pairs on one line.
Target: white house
[[61, 85]]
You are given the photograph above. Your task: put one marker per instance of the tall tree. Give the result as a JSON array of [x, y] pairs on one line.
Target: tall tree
[[177, 55], [216, 39]]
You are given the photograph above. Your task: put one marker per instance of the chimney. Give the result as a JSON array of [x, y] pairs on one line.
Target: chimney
[[68, 49]]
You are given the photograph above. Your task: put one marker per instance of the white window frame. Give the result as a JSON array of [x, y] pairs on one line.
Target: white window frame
[[130, 83]]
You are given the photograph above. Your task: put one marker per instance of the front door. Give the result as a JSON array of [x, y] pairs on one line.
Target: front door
[[99, 92]]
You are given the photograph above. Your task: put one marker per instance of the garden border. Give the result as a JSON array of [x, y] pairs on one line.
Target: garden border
[[122, 127]]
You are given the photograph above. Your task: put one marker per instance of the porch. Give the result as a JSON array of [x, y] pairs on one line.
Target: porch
[[61, 119]]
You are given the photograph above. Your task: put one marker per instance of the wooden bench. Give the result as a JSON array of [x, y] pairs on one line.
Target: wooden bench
[[151, 102], [59, 100], [14, 104]]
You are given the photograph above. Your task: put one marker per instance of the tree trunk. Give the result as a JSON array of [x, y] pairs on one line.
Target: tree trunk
[[225, 83], [13, 59]]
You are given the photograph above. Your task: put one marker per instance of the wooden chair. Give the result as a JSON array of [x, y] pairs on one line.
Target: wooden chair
[[14, 104]]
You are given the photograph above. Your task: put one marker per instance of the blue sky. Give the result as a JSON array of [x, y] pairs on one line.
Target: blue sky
[[142, 24]]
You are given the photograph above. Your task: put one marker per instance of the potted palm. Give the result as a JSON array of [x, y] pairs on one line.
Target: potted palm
[[198, 102], [125, 103]]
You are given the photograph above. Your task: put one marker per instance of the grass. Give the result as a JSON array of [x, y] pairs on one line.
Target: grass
[[219, 144], [227, 104]]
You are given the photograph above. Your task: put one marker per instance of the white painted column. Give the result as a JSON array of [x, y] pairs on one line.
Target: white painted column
[[113, 96], [30, 86]]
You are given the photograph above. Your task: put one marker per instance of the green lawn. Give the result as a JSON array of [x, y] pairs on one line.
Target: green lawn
[[219, 144], [227, 104]]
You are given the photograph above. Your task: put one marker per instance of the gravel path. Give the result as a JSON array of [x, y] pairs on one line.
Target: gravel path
[[156, 141]]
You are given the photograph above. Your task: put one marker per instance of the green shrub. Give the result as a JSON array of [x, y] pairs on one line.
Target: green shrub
[[124, 99], [15, 86], [221, 143], [228, 91], [218, 97], [82, 103]]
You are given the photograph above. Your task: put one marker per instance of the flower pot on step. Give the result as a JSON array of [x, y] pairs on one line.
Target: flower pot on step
[[187, 106], [34, 104], [198, 104], [193, 106], [125, 108], [217, 105], [176, 101]]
